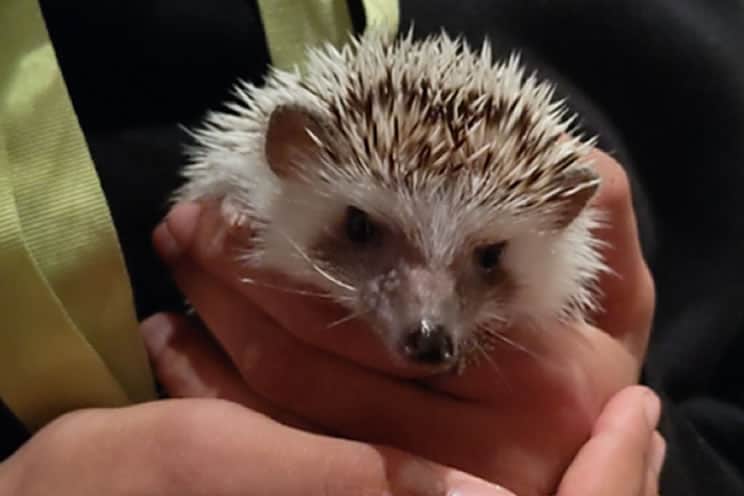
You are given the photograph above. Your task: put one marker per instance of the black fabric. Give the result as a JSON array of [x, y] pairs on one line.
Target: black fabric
[[662, 82], [13, 433], [358, 15]]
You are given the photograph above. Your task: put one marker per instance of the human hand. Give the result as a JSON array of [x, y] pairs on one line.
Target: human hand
[[199, 447], [520, 422]]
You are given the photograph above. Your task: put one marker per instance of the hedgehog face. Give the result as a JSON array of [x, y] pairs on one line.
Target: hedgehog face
[[423, 304], [436, 274], [412, 303]]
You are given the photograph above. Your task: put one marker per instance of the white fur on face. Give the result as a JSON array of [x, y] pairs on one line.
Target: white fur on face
[[553, 272]]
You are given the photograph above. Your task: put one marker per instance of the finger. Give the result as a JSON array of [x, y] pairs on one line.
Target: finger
[[614, 462], [190, 365], [628, 298], [290, 462]]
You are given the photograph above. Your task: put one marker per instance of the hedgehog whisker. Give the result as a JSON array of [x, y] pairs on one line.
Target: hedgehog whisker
[[347, 318], [495, 334], [495, 317], [479, 348], [493, 364], [287, 289], [317, 268]]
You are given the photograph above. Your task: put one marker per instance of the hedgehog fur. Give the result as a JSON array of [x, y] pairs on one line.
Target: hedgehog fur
[[446, 148]]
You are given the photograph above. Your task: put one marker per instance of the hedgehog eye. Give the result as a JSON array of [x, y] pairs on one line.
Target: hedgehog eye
[[488, 257], [359, 227]]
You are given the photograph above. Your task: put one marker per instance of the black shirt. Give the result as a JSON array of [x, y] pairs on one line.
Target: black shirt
[[662, 83]]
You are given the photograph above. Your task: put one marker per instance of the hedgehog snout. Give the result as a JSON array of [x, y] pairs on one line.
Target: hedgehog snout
[[429, 343], [417, 312]]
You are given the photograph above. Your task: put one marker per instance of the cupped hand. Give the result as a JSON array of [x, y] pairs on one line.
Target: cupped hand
[[518, 419]]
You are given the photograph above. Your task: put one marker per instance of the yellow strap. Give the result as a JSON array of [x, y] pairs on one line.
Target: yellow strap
[[68, 332], [291, 27], [382, 13]]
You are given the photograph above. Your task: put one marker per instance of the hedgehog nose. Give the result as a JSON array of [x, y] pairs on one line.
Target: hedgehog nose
[[429, 343]]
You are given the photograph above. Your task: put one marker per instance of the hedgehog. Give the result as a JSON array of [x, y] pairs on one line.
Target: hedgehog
[[440, 195]]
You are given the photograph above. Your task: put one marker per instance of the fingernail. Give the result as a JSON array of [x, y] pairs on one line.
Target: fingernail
[[471, 486], [165, 244], [177, 230], [183, 220], [652, 408], [658, 453], [156, 332]]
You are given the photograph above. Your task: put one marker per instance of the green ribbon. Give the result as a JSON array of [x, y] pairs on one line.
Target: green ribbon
[[68, 332], [291, 27], [382, 14]]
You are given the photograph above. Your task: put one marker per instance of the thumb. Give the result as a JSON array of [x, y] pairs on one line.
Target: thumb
[[615, 461]]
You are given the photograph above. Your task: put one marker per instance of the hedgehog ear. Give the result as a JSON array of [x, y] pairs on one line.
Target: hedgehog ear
[[578, 187], [291, 140]]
